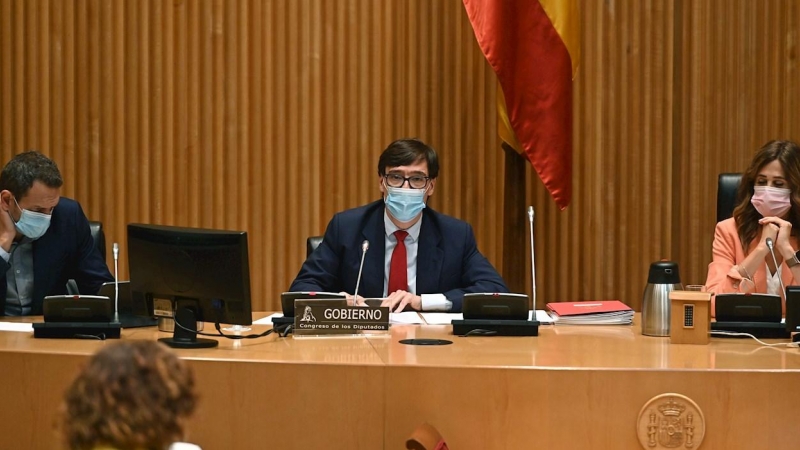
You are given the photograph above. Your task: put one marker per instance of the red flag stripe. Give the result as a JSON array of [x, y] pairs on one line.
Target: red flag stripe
[[534, 69]]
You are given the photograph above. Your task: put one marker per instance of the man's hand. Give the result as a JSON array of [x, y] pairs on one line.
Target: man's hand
[[7, 229], [358, 302], [397, 301]]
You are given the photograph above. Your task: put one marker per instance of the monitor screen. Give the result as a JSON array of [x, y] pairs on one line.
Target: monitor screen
[[205, 272]]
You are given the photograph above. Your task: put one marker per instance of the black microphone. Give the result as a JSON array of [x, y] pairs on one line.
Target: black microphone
[[116, 282], [770, 246], [364, 248], [533, 258]]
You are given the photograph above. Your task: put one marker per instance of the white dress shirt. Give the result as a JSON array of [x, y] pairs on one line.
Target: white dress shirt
[[430, 302], [774, 282]]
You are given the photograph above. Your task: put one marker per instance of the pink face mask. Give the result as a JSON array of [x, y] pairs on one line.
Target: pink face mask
[[771, 201]]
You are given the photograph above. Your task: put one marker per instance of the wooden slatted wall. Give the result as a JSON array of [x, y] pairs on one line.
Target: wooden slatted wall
[[265, 116], [268, 116]]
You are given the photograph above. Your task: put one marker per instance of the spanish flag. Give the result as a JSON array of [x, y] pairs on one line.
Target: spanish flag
[[534, 48]]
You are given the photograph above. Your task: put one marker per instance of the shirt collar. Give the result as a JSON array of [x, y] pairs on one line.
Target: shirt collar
[[24, 240], [413, 230]]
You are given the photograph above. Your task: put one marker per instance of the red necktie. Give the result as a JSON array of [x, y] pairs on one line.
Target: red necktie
[[398, 268]]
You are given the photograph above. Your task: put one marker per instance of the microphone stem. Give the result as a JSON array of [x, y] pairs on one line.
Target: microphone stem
[[533, 269], [116, 283], [358, 280]]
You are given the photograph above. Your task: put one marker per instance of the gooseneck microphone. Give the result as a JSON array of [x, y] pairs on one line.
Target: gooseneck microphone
[[116, 282], [364, 248], [533, 258], [771, 247]]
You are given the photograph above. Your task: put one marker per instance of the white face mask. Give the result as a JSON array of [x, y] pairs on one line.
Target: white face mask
[[32, 224], [404, 204]]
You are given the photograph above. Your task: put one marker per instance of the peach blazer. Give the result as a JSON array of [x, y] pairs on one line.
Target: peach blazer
[[723, 272]]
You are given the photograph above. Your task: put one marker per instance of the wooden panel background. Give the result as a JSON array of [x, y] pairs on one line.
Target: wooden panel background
[[738, 89], [602, 244], [268, 116]]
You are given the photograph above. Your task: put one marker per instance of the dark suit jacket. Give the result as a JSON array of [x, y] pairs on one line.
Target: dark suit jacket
[[66, 251], [448, 260]]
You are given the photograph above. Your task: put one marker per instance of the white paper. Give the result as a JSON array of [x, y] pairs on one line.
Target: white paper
[[267, 320], [430, 318], [542, 317], [16, 326], [434, 318], [408, 317]]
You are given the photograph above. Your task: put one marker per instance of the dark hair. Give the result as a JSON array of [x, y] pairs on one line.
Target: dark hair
[[403, 152], [20, 173], [131, 395], [745, 214]]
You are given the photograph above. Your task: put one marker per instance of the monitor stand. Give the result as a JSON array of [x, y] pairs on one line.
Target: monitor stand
[[183, 338]]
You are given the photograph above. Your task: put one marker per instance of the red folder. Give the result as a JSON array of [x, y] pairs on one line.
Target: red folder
[[589, 307]]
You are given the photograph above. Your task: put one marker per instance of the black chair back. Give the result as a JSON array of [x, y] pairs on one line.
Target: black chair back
[[726, 194], [99, 236], [96, 228], [311, 244]]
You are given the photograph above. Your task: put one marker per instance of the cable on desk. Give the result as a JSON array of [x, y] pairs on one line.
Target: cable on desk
[[479, 332], [285, 330], [778, 344], [99, 337], [228, 336]]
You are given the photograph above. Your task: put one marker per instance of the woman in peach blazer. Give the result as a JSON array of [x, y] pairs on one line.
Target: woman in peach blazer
[[768, 207]]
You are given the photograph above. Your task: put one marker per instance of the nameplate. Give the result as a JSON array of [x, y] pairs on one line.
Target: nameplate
[[312, 318]]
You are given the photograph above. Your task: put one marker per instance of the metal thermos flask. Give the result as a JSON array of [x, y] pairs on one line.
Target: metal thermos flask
[[662, 279]]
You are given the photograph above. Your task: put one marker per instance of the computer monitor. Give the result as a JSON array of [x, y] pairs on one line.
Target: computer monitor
[[130, 314], [201, 274]]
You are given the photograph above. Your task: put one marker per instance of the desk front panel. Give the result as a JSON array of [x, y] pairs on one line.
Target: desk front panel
[[583, 387], [496, 408], [253, 393], [571, 387]]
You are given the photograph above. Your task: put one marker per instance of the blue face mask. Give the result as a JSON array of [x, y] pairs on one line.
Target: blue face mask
[[405, 204], [32, 224]]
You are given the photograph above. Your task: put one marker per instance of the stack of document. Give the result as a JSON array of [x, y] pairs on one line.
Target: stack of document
[[609, 312]]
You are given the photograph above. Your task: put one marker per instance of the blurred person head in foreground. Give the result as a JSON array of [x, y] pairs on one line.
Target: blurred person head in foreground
[[131, 395]]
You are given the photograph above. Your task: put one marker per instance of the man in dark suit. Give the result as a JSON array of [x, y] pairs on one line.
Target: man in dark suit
[[417, 257], [44, 238]]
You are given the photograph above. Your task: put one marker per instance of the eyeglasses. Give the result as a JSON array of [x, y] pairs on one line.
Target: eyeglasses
[[415, 181]]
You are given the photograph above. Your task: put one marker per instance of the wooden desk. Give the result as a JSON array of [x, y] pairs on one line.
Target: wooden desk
[[571, 387]]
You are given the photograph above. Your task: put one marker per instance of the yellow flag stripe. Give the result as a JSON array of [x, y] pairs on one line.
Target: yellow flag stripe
[[504, 129], [564, 16]]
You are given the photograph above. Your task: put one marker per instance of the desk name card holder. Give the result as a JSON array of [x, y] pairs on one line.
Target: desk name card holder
[[313, 319]]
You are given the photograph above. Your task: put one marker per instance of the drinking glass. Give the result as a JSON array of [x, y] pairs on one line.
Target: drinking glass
[[694, 287]]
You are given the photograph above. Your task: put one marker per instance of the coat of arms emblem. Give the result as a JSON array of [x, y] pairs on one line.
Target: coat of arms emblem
[[671, 421]]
